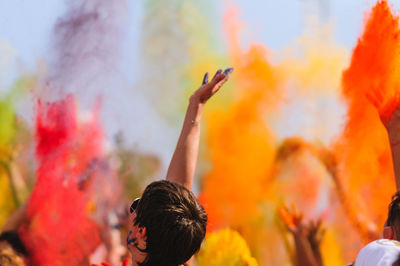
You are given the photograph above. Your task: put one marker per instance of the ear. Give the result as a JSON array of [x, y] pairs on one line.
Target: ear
[[388, 233], [141, 233]]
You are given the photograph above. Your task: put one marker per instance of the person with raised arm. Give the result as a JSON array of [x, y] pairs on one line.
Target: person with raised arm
[[386, 251], [307, 237], [167, 223]]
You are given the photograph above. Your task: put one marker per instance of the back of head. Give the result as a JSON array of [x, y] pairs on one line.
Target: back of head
[[394, 214], [175, 223]]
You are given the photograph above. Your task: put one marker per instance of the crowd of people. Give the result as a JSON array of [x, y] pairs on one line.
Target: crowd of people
[[167, 224]]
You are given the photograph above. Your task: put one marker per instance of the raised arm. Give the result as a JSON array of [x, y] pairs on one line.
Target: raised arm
[[393, 129], [391, 121], [307, 238], [183, 163]]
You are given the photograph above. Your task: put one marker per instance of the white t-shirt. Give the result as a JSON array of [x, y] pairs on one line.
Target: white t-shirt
[[382, 252]]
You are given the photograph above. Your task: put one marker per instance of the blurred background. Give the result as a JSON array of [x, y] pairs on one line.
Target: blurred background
[[93, 95]]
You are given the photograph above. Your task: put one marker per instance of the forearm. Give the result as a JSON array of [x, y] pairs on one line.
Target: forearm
[[304, 253], [394, 139], [183, 163]]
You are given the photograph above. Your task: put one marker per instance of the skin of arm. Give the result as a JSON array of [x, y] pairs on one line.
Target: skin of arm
[[16, 219], [393, 129], [304, 252], [183, 163], [392, 125], [307, 239]]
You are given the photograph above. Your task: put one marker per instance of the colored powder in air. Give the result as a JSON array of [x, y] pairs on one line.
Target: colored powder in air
[[241, 146], [60, 231], [225, 247], [7, 204], [241, 189], [7, 130], [363, 151]]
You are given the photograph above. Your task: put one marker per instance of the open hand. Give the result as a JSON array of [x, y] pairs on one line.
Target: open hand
[[389, 114], [208, 89], [315, 233], [292, 218]]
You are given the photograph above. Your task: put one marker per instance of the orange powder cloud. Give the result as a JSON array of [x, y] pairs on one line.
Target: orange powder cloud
[[240, 143], [365, 166]]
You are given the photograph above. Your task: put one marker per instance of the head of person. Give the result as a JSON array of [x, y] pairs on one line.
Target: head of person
[[12, 249], [167, 225], [391, 228]]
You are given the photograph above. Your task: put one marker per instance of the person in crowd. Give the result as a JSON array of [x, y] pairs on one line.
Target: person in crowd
[[167, 223], [386, 251], [307, 237], [12, 250]]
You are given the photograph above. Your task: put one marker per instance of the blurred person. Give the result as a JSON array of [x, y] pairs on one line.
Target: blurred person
[[307, 237], [12, 250], [168, 224]]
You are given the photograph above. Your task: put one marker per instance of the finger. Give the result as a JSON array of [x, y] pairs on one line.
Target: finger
[[320, 236], [228, 71], [205, 79], [286, 208], [217, 73], [221, 79], [300, 217], [318, 225], [285, 216], [294, 209], [283, 213], [217, 83]]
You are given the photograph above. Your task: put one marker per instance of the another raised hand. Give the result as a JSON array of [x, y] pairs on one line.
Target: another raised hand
[[292, 218], [315, 234], [307, 238]]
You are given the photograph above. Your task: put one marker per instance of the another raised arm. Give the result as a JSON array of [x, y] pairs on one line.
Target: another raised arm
[[183, 163], [391, 121], [307, 238], [393, 130]]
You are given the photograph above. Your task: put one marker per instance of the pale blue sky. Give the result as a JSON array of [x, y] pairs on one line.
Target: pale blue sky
[[26, 26]]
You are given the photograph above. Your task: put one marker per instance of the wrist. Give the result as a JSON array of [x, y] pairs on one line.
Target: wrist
[[195, 102]]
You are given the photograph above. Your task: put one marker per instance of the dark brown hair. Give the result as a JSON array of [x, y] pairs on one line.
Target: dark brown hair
[[394, 214], [175, 223]]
